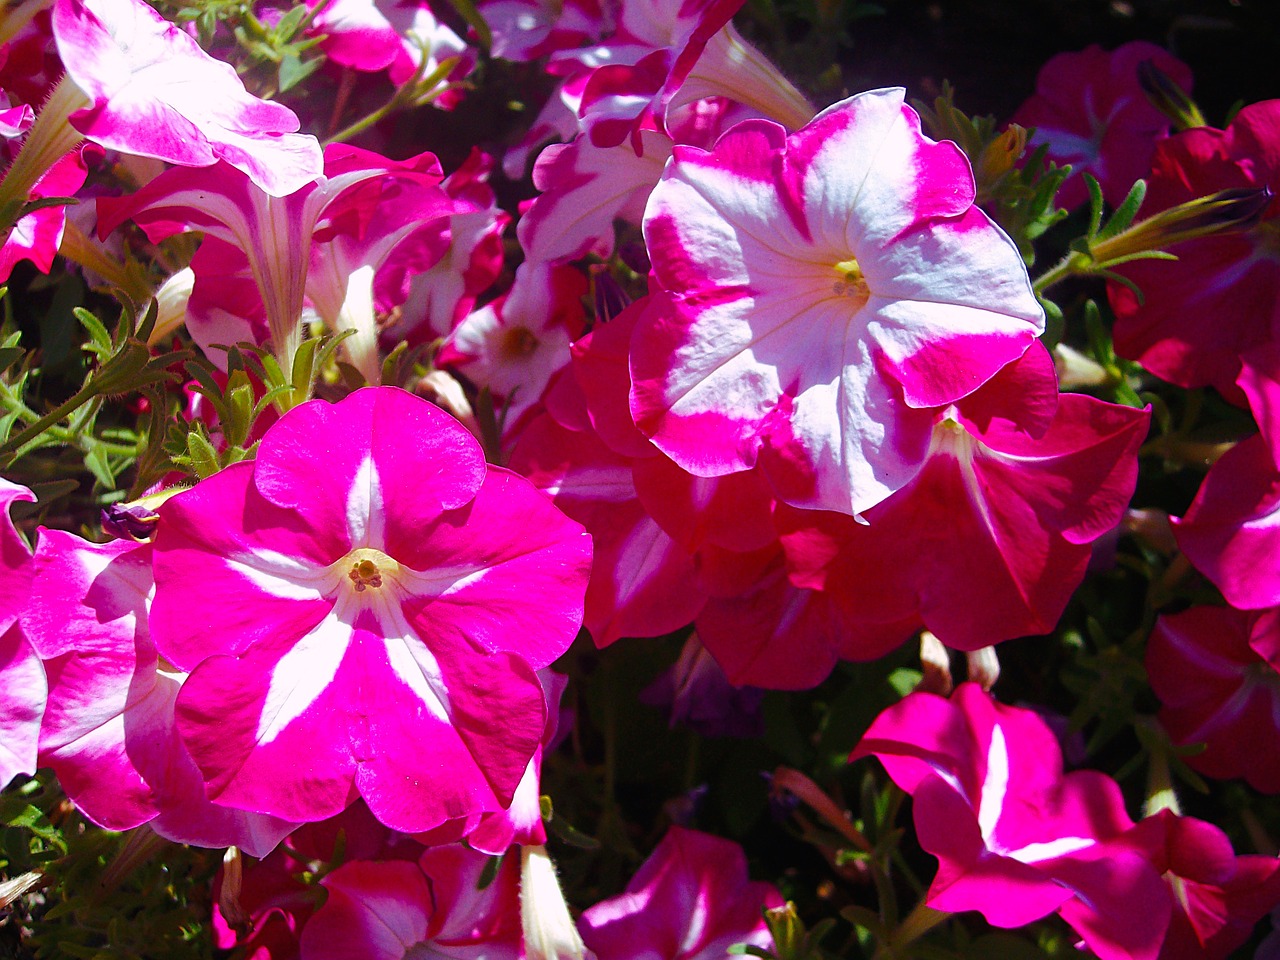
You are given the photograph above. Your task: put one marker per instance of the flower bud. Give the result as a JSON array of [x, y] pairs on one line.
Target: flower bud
[[549, 931], [1169, 98], [1228, 211]]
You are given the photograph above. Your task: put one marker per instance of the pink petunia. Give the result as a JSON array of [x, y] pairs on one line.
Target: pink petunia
[[1211, 318], [1016, 838], [362, 609], [1092, 112], [826, 286], [22, 677], [150, 90], [691, 900], [1217, 672]]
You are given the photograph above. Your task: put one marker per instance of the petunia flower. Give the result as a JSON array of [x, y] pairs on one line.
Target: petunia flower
[[1211, 318], [1016, 838], [1092, 112], [826, 286], [691, 900], [392, 910], [145, 87], [21, 674], [108, 731], [1216, 671], [362, 609]]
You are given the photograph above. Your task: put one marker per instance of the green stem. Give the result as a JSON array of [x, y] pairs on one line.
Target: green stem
[[919, 921], [55, 416], [1066, 267]]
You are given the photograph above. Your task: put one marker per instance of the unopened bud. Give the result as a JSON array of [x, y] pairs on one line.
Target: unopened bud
[[1169, 98], [1227, 211], [171, 305], [935, 665], [549, 930], [984, 667], [232, 886]]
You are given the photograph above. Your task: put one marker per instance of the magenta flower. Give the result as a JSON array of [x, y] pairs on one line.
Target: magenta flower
[[37, 236], [21, 673], [1231, 532], [1233, 278], [108, 732], [393, 910], [691, 900], [1023, 511], [1092, 112], [1217, 672], [825, 286], [1016, 839], [362, 610], [1218, 897], [148, 89]]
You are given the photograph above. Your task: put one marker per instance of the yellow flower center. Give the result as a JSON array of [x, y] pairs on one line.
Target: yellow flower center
[[367, 568], [851, 282], [518, 342]]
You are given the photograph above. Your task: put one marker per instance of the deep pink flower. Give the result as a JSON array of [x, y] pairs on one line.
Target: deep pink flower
[[21, 675], [399, 36], [989, 540], [1217, 672], [153, 92], [37, 236], [826, 286], [1231, 532], [108, 732], [1212, 318], [395, 910], [1218, 897], [691, 900], [1015, 838], [1091, 111], [362, 610]]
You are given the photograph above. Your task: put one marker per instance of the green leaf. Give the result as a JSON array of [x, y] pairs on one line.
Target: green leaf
[[1123, 217], [98, 463]]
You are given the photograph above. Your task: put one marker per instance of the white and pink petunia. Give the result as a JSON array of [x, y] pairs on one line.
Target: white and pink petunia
[[362, 610], [148, 89], [826, 286], [21, 675], [108, 732]]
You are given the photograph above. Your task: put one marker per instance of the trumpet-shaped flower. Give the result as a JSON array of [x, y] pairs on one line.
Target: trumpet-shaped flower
[[362, 610], [825, 286]]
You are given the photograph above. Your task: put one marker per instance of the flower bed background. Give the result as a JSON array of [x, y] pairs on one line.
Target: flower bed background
[[825, 420]]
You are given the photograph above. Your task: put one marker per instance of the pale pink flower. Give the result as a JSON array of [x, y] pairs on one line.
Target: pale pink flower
[[148, 89], [362, 609], [826, 286]]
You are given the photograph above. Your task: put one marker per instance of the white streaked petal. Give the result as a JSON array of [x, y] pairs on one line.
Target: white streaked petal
[[412, 661], [440, 581], [302, 674], [994, 786], [366, 513], [1035, 852], [280, 575]]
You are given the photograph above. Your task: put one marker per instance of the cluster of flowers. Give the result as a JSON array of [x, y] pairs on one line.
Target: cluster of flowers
[[826, 425]]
